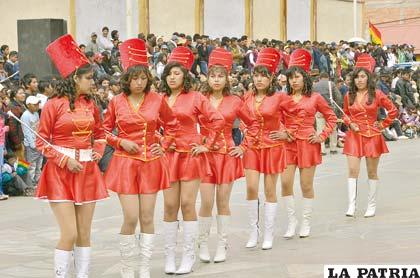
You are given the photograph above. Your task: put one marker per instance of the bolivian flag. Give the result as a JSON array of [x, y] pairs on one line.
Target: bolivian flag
[[375, 35]]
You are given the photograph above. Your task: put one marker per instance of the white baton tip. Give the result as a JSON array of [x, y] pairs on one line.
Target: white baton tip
[[10, 113]]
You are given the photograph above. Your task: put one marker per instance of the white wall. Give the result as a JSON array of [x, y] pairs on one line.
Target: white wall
[[169, 16], [111, 13], [266, 22], [224, 18], [298, 20], [12, 11]]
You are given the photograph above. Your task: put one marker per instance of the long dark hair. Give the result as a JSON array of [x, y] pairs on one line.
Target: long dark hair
[[265, 72], [307, 81], [164, 87], [370, 86], [67, 86], [133, 72], [207, 90]]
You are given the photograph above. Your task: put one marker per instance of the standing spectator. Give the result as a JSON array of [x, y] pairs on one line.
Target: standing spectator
[[45, 90], [115, 35], [17, 106], [105, 44], [391, 59], [327, 89], [172, 43], [281, 83], [161, 63], [4, 51], [30, 83], [31, 118], [12, 67], [93, 45], [203, 55]]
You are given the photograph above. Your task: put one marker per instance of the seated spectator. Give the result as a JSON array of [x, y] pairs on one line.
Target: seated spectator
[[13, 175], [3, 129], [410, 122]]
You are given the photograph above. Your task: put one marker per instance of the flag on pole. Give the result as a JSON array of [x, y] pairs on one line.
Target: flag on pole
[[375, 35]]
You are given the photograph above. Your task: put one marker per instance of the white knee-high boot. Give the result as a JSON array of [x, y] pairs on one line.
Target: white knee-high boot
[[291, 216], [352, 195], [371, 208], [170, 235], [188, 254], [61, 263], [253, 215], [146, 250], [222, 235], [305, 227], [204, 226], [129, 252], [82, 261], [270, 210]]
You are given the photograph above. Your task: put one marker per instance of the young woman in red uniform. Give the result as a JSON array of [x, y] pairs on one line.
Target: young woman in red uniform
[[225, 158], [188, 163], [71, 180], [265, 156], [364, 139], [138, 168], [304, 144]]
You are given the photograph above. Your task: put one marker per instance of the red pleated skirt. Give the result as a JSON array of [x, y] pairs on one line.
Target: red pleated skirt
[[303, 154], [131, 176], [361, 146], [225, 169], [268, 160], [60, 185], [184, 166]]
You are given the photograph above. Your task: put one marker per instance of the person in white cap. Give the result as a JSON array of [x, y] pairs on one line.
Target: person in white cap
[[31, 118]]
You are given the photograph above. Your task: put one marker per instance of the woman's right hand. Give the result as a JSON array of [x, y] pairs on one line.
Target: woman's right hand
[[73, 165], [354, 127], [278, 135], [129, 146]]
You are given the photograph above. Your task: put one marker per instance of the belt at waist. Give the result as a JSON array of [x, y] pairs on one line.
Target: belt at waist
[[81, 155]]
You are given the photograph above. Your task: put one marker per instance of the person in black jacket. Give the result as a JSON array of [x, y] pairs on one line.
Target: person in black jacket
[[404, 89]]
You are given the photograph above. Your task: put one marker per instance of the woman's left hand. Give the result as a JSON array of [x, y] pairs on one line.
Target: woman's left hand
[[378, 125], [96, 156], [236, 151], [197, 149], [157, 149], [315, 139]]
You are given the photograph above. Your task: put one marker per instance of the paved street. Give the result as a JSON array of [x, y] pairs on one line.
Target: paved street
[[28, 231]]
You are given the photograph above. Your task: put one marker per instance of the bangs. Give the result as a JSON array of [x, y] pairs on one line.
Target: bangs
[[262, 70]]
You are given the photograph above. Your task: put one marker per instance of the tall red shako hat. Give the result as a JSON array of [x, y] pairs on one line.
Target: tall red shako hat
[[221, 57], [133, 53], [270, 58], [301, 58], [366, 62], [66, 55], [182, 55]]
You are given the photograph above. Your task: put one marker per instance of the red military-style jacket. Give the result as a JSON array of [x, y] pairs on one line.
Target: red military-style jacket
[[187, 108], [140, 125], [231, 107], [299, 117], [365, 115], [77, 129]]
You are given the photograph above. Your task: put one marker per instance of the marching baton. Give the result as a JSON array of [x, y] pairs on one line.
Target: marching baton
[[10, 113]]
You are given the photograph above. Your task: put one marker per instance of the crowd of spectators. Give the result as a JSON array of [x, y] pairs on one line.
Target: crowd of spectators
[[331, 69]]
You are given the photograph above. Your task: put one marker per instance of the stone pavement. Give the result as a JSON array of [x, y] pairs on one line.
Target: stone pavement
[[28, 231]]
